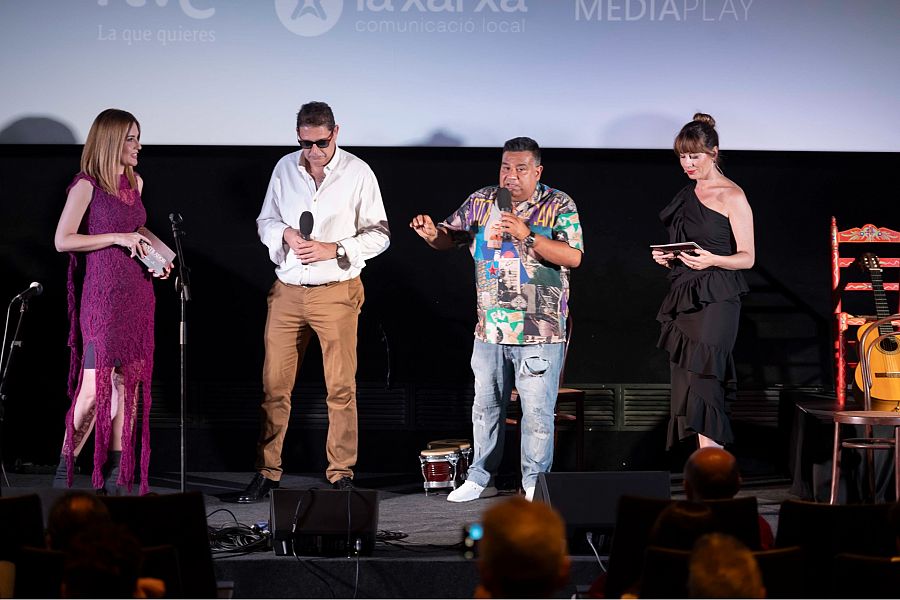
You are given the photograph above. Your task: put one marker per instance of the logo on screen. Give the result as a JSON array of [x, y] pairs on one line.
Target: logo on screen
[[309, 18]]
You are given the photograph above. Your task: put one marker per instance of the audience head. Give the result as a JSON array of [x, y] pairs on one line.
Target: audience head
[[723, 567], [681, 524], [523, 553], [711, 474], [102, 562], [71, 514]]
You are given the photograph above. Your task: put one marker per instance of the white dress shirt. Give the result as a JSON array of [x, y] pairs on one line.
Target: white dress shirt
[[346, 208]]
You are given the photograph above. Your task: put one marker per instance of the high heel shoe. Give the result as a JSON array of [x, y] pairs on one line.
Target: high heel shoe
[[111, 475], [60, 478]]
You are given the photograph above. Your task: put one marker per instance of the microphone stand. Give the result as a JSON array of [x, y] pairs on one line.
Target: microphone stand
[[4, 369], [183, 287]]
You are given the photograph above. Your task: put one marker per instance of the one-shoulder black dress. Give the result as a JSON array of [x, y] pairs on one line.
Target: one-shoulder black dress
[[699, 323]]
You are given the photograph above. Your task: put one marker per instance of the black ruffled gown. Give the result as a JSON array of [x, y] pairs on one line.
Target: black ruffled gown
[[699, 323]]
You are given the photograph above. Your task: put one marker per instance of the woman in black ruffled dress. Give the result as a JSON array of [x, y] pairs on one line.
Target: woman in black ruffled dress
[[699, 316]]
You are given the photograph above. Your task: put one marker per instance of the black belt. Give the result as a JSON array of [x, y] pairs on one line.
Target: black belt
[[310, 285]]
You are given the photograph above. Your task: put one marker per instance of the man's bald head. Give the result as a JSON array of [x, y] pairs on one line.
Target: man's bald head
[[711, 474]]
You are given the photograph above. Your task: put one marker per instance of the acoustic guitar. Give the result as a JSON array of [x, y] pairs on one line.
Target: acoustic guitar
[[885, 357]]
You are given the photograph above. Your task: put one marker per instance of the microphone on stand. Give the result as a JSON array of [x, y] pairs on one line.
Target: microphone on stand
[[182, 280], [183, 287], [504, 203], [306, 224], [35, 289]]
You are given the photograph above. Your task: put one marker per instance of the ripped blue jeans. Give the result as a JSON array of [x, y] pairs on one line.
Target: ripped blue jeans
[[534, 371]]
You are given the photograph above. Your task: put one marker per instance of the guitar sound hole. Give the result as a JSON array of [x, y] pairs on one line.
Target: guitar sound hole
[[888, 344]]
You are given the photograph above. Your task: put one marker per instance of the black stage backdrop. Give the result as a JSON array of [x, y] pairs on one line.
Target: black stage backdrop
[[416, 325]]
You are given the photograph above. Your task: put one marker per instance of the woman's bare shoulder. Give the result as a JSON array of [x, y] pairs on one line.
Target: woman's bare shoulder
[[731, 195]]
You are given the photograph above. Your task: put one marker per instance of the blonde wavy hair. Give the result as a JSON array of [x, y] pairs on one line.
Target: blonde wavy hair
[[101, 157]]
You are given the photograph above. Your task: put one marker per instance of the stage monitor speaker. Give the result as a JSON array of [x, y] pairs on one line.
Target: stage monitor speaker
[[323, 522], [588, 501]]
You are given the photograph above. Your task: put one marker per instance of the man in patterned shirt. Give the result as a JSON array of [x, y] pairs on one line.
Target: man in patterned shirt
[[522, 262]]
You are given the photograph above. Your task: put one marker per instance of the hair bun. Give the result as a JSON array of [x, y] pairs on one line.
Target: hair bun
[[705, 118]]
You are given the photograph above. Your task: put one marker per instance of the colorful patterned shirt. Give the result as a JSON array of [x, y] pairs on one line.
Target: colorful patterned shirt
[[521, 300]]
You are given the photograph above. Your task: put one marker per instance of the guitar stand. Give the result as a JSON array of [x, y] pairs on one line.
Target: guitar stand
[[4, 370]]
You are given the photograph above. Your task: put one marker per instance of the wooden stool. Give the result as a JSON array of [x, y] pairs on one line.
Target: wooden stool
[[869, 418]]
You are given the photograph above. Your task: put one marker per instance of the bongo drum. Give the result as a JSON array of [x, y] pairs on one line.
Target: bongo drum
[[439, 468], [465, 459], [448, 443]]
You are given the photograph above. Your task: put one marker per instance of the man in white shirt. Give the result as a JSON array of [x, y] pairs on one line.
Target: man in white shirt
[[319, 257]]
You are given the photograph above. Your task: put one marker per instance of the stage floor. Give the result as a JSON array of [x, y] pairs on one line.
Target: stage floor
[[426, 563]]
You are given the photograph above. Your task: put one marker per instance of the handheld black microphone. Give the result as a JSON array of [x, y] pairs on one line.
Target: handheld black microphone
[[35, 289], [504, 200], [306, 224], [504, 203]]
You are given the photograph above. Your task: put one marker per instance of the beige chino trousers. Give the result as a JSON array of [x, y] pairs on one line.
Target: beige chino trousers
[[331, 312]]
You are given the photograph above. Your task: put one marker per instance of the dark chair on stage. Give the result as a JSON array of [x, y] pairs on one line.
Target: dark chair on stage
[[177, 521], [826, 530], [567, 399], [859, 576], [666, 571]]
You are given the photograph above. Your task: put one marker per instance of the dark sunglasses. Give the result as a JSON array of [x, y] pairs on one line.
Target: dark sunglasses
[[323, 143]]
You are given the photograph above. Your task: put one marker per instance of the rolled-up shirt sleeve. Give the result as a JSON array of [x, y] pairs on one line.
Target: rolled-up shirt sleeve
[[459, 224]]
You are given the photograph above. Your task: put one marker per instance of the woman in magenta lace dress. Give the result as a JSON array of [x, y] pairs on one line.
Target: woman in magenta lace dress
[[111, 304], [699, 316]]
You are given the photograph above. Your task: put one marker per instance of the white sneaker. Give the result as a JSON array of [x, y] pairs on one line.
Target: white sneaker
[[529, 493], [471, 491]]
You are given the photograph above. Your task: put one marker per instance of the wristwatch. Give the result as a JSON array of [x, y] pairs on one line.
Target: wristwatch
[[529, 240], [339, 252]]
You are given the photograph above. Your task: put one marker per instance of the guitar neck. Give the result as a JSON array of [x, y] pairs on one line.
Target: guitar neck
[[882, 309]]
